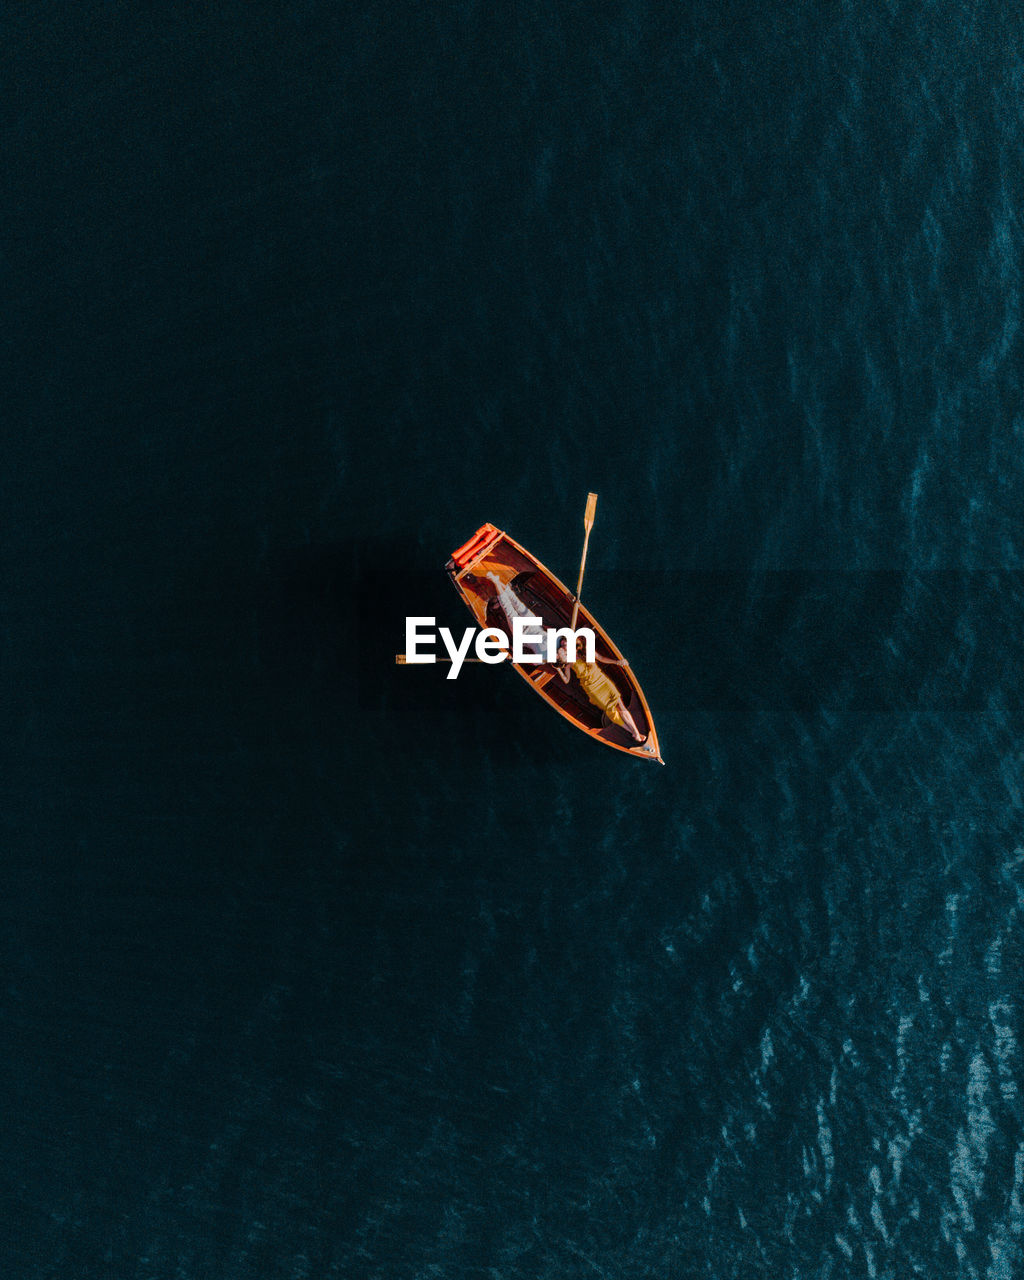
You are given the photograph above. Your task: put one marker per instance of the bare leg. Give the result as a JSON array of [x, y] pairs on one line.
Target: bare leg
[[628, 721]]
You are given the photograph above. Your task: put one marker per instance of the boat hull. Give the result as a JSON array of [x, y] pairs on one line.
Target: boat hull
[[491, 551]]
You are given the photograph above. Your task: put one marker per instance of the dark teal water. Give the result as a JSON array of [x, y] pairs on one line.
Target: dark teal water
[[315, 966]]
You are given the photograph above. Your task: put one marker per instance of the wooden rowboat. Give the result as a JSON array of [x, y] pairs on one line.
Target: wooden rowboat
[[490, 550]]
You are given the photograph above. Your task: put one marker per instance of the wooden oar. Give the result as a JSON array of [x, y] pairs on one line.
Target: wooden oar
[[401, 661], [588, 524]]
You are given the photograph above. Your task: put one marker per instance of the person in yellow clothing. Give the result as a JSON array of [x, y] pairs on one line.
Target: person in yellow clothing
[[598, 688]]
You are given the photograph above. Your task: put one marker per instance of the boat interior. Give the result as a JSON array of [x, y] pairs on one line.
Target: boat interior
[[550, 602]]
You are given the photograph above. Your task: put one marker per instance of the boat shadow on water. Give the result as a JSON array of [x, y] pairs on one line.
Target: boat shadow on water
[[331, 617]]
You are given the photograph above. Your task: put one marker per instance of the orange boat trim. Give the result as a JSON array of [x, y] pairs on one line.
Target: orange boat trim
[[492, 550]]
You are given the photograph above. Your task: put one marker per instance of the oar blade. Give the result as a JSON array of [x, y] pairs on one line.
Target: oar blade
[[588, 515]]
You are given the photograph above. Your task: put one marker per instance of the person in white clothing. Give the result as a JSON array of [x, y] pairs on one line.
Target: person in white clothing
[[512, 607]]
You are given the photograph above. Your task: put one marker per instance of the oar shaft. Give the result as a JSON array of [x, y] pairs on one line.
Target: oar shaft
[[588, 524], [402, 661]]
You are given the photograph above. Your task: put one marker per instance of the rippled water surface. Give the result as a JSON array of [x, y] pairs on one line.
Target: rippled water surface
[[318, 966]]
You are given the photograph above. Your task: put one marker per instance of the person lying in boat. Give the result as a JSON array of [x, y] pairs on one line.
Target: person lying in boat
[[598, 688], [512, 607]]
